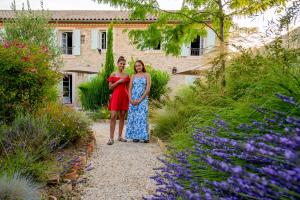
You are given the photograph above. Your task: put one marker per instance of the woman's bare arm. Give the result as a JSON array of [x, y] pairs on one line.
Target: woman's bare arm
[[147, 91], [111, 85], [130, 89]]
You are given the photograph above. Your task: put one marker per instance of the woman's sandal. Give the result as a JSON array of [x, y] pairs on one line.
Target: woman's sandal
[[135, 140], [146, 141], [122, 140], [110, 142]]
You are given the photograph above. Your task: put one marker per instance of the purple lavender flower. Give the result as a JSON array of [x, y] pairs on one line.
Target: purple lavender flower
[[290, 100], [263, 166]]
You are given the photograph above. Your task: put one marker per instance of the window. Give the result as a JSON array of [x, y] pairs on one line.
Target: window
[[103, 40], [67, 43], [197, 47], [158, 47], [67, 89]]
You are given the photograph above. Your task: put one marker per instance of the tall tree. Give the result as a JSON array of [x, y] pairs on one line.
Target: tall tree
[[108, 66], [176, 28]]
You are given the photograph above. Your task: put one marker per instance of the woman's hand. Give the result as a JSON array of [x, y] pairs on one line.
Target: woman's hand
[[138, 101], [132, 102], [135, 102], [122, 80]]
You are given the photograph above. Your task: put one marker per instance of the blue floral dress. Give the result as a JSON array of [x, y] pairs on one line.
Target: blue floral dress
[[137, 121]]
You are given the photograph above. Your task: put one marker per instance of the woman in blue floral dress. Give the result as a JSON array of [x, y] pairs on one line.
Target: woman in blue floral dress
[[139, 89]]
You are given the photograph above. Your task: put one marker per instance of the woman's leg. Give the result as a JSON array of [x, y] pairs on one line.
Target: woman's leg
[[113, 118], [121, 123]]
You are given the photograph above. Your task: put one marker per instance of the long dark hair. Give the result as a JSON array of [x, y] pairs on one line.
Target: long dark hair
[[142, 63], [121, 58]]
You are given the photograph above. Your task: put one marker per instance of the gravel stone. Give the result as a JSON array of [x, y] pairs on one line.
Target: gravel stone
[[122, 170]]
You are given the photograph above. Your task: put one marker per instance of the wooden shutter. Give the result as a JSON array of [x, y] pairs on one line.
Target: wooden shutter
[[76, 42], [186, 49], [57, 37], [1, 33], [94, 38], [210, 40]]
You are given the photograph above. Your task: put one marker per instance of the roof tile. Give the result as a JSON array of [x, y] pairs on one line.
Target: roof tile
[[80, 15]]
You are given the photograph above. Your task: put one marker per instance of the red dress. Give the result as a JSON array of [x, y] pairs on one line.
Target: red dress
[[119, 99]]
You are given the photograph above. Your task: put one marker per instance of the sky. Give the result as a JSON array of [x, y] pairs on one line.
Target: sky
[[260, 22]]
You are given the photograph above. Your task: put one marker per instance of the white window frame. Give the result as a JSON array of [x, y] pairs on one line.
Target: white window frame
[[65, 51], [101, 39], [201, 47], [69, 99]]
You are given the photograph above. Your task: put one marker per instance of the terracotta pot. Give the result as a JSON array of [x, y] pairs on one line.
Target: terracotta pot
[[93, 138], [77, 166], [92, 144], [72, 175], [89, 150]]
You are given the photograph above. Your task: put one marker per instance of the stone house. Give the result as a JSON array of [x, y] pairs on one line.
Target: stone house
[[82, 38]]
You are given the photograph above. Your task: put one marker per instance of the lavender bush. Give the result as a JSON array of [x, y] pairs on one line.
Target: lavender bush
[[259, 160]]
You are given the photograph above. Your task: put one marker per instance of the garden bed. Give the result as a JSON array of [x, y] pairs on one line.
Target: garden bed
[[60, 186]]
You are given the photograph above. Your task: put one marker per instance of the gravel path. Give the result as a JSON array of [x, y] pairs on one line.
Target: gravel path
[[121, 171]]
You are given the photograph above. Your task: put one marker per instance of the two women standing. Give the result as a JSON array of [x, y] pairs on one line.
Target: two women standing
[[130, 93]]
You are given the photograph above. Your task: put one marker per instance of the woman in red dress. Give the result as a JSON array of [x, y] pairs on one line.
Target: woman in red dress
[[119, 101]]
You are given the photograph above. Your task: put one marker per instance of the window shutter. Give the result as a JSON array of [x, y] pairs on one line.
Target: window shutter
[[94, 39], [2, 31], [56, 36], [185, 50], [210, 40], [76, 42]]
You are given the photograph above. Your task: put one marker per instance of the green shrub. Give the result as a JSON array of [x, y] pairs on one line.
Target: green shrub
[[27, 164], [27, 133], [26, 78], [252, 80], [29, 62], [52, 127], [18, 187], [65, 125], [28, 141], [90, 94]]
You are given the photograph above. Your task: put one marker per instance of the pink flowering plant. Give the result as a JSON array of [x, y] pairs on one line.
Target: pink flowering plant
[[27, 78], [259, 160]]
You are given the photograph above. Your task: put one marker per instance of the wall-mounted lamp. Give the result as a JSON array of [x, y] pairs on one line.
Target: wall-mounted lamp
[[82, 39], [174, 70]]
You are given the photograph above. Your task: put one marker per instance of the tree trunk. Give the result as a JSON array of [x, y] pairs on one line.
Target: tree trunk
[[222, 49]]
